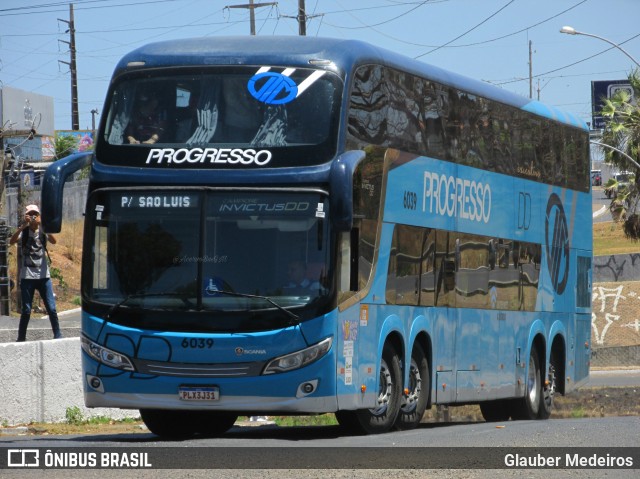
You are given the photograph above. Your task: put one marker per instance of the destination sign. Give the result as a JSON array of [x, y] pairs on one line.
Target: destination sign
[[154, 201]]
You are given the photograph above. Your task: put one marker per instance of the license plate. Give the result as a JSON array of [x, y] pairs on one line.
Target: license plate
[[199, 393]]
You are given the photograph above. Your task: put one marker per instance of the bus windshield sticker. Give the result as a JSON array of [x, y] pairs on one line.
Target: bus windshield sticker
[[272, 88], [275, 88]]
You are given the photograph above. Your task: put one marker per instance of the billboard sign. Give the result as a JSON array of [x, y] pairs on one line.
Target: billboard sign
[[601, 90], [25, 110]]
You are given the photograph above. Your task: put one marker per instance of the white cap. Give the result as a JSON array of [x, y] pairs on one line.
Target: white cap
[[31, 208]]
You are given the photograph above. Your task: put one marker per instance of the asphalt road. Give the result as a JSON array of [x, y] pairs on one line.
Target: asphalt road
[[600, 205], [617, 378]]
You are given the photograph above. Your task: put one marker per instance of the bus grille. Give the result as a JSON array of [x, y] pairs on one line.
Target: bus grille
[[220, 370]]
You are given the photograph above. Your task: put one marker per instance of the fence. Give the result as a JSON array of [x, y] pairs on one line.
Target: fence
[[75, 196]]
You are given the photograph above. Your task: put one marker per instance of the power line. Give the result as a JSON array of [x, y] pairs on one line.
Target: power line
[[26, 10], [570, 64], [389, 20], [468, 31]]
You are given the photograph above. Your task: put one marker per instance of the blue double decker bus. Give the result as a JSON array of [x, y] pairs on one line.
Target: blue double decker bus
[[291, 226]]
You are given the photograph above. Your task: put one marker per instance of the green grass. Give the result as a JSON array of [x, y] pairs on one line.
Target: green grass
[[578, 413], [608, 238]]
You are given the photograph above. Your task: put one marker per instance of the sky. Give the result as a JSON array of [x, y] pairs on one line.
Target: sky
[[487, 40]]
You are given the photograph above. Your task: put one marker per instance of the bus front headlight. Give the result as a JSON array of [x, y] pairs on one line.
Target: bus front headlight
[[106, 356], [299, 358]]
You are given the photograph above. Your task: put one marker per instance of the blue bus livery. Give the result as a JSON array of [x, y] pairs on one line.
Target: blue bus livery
[[304, 225]]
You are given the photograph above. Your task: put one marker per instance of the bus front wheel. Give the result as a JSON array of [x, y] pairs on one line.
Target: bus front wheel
[[383, 416], [185, 424], [170, 424]]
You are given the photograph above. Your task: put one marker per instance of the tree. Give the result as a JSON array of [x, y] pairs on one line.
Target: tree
[[622, 131], [65, 145]]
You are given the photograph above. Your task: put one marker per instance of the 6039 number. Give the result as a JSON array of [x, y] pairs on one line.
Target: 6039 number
[[197, 343], [410, 200]]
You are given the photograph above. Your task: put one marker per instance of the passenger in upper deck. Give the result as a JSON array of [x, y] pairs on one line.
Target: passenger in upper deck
[[147, 123]]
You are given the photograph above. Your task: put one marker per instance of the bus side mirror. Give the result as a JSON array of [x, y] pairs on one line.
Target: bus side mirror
[[53, 185], [341, 189]]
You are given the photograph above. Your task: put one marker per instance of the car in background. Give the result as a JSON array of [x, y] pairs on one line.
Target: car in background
[[596, 177], [617, 183]]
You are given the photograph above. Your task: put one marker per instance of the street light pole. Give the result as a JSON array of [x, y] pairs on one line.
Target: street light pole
[[604, 145], [572, 31]]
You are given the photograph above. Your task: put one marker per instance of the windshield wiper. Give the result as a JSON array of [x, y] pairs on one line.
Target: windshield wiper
[[295, 319], [124, 300]]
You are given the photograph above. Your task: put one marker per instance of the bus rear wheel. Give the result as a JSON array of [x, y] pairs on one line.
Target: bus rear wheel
[[381, 418], [416, 401], [529, 406], [549, 389]]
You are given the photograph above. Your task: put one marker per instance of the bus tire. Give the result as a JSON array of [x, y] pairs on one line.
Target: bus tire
[[495, 411], [170, 424], [415, 403], [529, 406], [381, 418], [549, 388], [215, 423]]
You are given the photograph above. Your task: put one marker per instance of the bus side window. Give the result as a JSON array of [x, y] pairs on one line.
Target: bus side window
[[427, 268], [472, 275], [408, 264], [446, 274]]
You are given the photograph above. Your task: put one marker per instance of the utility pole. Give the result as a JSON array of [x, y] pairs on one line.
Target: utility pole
[[530, 70], [75, 121], [252, 16], [94, 112], [302, 18]]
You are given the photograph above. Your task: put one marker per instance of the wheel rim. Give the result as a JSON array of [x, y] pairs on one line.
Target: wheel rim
[[385, 390], [532, 383], [415, 386], [550, 390]]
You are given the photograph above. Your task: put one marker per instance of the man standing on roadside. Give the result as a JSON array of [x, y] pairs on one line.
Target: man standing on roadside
[[34, 271]]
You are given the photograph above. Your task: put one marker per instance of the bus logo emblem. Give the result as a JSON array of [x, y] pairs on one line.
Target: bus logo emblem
[[272, 88], [557, 243]]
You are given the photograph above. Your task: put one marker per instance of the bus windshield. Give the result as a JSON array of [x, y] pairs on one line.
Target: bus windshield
[[190, 251], [288, 112]]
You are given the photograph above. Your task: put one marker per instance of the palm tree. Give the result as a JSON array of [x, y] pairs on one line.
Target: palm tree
[[622, 132]]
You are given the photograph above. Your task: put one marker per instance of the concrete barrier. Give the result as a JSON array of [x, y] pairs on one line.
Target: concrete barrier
[[41, 380]]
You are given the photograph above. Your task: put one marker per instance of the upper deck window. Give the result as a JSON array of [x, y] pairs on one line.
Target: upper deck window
[[222, 117]]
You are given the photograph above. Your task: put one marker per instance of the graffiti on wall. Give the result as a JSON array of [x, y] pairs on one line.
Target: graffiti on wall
[[618, 267], [615, 317]]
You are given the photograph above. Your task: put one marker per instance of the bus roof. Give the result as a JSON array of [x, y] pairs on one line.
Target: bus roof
[[304, 51]]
